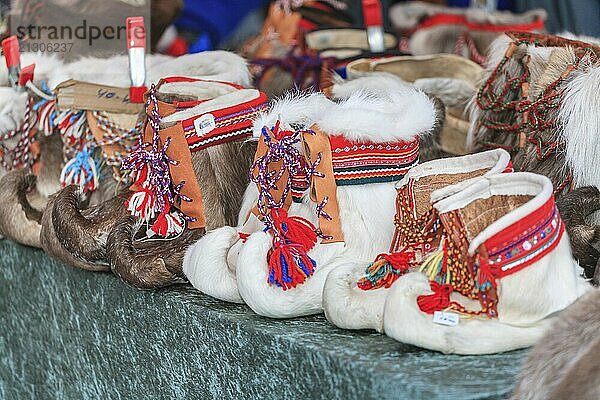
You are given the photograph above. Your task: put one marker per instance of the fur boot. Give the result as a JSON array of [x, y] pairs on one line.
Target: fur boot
[[451, 78], [354, 296], [547, 119], [138, 250], [348, 227], [504, 258]]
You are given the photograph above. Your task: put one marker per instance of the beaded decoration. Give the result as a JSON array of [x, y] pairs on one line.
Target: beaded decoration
[[534, 116]]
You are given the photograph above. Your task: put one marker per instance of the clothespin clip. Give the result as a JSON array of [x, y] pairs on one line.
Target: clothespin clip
[[12, 55], [26, 75], [374, 23], [136, 47]]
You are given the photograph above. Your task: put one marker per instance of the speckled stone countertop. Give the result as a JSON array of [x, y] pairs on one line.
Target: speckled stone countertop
[[66, 333]]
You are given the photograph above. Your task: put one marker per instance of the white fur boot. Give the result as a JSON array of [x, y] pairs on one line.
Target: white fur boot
[[357, 150], [355, 293], [505, 268]]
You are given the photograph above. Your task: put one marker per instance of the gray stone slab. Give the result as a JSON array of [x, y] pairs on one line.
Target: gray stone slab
[[71, 334]]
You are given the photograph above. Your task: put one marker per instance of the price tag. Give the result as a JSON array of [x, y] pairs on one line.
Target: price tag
[[446, 318]]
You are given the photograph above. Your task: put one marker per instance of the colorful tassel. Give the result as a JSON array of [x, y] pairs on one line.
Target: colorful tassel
[[142, 204], [167, 223], [296, 230], [437, 301], [386, 269], [81, 171], [289, 266]]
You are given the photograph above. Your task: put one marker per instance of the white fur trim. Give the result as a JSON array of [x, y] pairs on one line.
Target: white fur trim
[[378, 117], [295, 108], [215, 65], [579, 116], [205, 265]]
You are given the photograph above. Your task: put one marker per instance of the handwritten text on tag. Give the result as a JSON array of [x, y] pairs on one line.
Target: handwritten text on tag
[[445, 318]]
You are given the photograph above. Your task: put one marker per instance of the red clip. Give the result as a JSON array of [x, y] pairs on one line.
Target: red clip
[[136, 46], [12, 55], [372, 13], [26, 74], [10, 46], [136, 32]]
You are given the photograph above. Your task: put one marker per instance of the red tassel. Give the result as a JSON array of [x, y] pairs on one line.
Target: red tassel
[[294, 229], [161, 225], [289, 266], [438, 301], [400, 260]]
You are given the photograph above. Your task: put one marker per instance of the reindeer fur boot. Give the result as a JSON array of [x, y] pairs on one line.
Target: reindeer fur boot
[[354, 293], [503, 270]]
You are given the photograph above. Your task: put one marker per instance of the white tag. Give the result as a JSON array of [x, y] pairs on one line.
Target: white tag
[[445, 318], [204, 124]]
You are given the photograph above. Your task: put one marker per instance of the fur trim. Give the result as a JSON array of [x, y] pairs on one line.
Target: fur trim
[[217, 65], [404, 322], [295, 108], [13, 105], [579, 116], [367, 116], [46, 65]]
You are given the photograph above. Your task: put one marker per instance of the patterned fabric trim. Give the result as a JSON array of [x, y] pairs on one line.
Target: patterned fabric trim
[[525, 242]]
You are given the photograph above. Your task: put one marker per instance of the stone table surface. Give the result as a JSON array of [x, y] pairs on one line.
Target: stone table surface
[[71, 334]]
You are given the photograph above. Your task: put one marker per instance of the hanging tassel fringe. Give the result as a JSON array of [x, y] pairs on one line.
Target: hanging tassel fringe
[[386, 269], [167, 223], [437, 301], [81, 171], [289, 266]]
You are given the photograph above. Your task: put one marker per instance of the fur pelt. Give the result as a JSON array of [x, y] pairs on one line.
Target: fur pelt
[[24, 196], [577, 207], [222, 173], [564, 364]]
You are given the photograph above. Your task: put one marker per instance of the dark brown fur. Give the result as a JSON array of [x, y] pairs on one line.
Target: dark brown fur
[[23, 196], [565, 363], [19, 223], [222, 173], [575, 207]]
